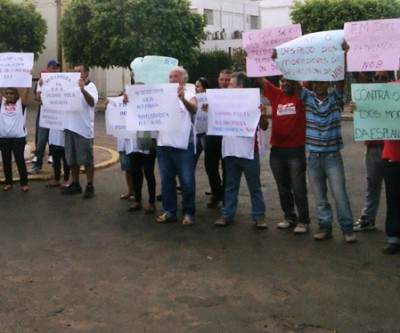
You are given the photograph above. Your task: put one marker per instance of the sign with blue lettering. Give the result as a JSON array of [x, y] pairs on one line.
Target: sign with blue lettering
[[153, 69]]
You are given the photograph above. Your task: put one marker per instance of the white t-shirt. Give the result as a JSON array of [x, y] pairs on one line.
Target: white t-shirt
[[12, 120], [179, 139], [82, 122], [130, 145], [243, 147]]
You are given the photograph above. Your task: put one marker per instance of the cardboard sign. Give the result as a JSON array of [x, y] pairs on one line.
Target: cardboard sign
[[259, 46], [314, 57], [374, 45], [377, 116], [153, 69], [15, 70]]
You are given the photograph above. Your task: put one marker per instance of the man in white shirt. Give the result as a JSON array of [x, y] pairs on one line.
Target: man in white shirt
[[175, 154], [79, 133]]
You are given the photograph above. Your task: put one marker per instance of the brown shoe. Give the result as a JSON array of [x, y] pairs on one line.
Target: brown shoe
[[135, 206]]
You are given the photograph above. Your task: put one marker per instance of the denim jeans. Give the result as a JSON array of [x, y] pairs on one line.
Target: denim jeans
[[174, 162], [323, 167], [373, 164], [42, 138], [288, 166], [200, 145], [391, 172], [234, 167]]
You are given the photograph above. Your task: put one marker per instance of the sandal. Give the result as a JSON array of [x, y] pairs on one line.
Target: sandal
[[135, 207], [165, 218], [7, 187], [187, 221], [126, 196], [150, 209], [25, 188]]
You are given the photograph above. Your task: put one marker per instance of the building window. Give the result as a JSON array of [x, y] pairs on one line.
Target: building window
[[253, 22], [209, 15]]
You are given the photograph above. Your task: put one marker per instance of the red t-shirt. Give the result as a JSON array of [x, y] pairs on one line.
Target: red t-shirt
[[391, 148], [288, 118]]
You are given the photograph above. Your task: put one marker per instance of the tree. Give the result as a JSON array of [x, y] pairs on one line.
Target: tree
[[323, 15], [109, 33], [22, 28]]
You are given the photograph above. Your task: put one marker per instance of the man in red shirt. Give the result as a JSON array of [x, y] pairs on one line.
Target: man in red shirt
[[288, 158]]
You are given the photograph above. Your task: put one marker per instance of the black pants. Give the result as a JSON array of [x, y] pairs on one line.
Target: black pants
[[212, 157], [391, 175], [16, 146], [58, 154], [143, 162]]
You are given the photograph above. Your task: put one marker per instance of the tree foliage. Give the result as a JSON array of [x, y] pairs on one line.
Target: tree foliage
[[22, 28], [109, 33], [323, 15]]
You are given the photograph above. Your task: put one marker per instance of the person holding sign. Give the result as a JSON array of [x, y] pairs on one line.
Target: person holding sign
[[241, 155], [324, 142], [288, 157], [13, 135], [175, 153], [79, 132]]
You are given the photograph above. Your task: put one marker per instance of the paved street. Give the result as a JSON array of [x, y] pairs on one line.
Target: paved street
[[74, 265]]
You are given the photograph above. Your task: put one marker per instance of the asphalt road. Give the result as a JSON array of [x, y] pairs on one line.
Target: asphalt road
[[74, 265]]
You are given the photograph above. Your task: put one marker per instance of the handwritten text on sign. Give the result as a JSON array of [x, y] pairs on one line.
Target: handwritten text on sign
[[201, 116], [61, 91], [153, 69], [153, 107], [314, 57], [51, 118], [15, 70], [116, 118], [377, 116], [233, 112], [374, 45], [260, 44]]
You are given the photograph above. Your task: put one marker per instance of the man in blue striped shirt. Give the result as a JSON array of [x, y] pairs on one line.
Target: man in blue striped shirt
[[324, 142]]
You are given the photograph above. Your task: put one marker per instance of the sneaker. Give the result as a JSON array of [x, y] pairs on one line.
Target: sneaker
[[285, 224], [301, 228], [261, 223], [323, 234], [33, 160], [89, 192], [73, 188], [391, 248], [222, 222], [50, 159], [35, 170], [363, 225], [349, 237]]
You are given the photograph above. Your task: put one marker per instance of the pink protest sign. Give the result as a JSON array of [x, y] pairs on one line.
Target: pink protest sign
[[259, 45], [374, 45]]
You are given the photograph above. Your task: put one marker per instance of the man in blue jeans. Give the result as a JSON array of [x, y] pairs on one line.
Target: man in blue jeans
[[175, 154], [241, 155], [325, 164]]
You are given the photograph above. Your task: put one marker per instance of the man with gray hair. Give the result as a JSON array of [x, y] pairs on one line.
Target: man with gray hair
[[176, 157]]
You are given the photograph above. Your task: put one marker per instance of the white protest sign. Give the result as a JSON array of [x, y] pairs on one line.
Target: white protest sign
[[260, 44], [116, 115], [61, 91], [233, 112], [153, 69], [374, 45], [15, 70], [153, 107], [201, 116], [314, 57], [377, 116], [51, 118]]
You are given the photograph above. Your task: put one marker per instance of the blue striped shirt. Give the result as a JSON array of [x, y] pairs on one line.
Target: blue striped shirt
[[323, 131]]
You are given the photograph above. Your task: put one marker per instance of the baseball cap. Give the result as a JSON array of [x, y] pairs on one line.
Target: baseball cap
[[53, 63]]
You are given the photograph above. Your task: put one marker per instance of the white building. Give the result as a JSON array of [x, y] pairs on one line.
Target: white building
[[227, 20]]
